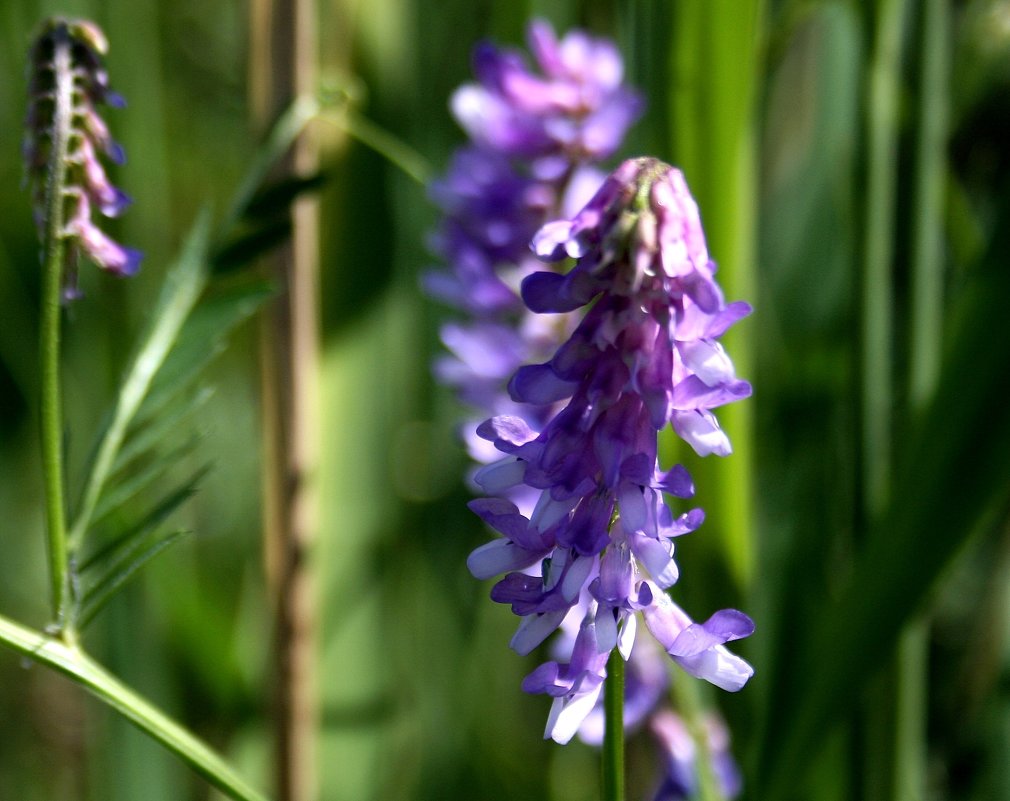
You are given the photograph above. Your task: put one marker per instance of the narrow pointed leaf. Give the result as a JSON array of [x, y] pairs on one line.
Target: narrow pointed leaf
[[118, 492], [150, 521], [151, 429], [122, 571]]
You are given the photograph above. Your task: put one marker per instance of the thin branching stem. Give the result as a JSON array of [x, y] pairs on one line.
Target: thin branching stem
[[72, 662]]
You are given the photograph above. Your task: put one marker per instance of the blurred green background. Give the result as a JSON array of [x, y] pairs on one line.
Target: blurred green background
[[851, 163]]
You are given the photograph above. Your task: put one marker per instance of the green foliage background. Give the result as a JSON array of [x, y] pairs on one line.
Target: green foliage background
[[845, 155]]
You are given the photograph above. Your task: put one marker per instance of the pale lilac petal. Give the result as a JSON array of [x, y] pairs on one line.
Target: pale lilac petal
[[719, 667], [497, 557], [722, 627], [708, 360], [502, 475], [700, 430], [534, 629], [567, 715]]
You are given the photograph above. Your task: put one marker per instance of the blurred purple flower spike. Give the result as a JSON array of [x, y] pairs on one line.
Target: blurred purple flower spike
[[66, 139]]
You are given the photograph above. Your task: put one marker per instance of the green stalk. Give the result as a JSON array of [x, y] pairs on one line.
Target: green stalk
[[54, 254], [926, 329], [388, 145], [877, 291], [81, 669], [925, 357], [613, 735], [881, 708]]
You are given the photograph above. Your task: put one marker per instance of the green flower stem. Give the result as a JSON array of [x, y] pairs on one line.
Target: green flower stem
[[80, 668], [54, 253], [52, 429], [613, 735]]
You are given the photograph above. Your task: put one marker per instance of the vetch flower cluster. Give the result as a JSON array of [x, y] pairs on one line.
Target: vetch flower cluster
[[644, 355], [65, 142]]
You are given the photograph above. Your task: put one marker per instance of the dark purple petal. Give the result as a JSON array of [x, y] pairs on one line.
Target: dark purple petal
[[539, 384], [588, 530], [547, 679], [676, 481]]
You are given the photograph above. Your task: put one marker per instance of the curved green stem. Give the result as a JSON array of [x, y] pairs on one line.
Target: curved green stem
[[613, 735], [51, 411], [80, 668]]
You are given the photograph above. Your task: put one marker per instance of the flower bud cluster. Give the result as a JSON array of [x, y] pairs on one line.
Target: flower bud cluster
[[66, 141]]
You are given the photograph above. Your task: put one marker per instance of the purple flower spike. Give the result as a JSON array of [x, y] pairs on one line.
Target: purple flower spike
[[644, 356], [64, 140]]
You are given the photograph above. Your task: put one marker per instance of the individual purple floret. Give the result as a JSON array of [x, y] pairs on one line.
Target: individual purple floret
[[67, 139], [644, 356]]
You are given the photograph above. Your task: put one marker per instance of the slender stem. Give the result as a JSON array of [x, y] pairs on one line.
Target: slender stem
[[925, 356], [285, 131], [81, 669], [926, 318], [613, 736], [881, 734], [877, 289], [54, 254], [386, 144]]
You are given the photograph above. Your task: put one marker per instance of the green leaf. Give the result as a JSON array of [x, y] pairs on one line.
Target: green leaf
[[202, 339], [135, 478], [276, 198], [245, 247], [183, 285], [146, 433], [149, 521], [105, 571], [122, 571]]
